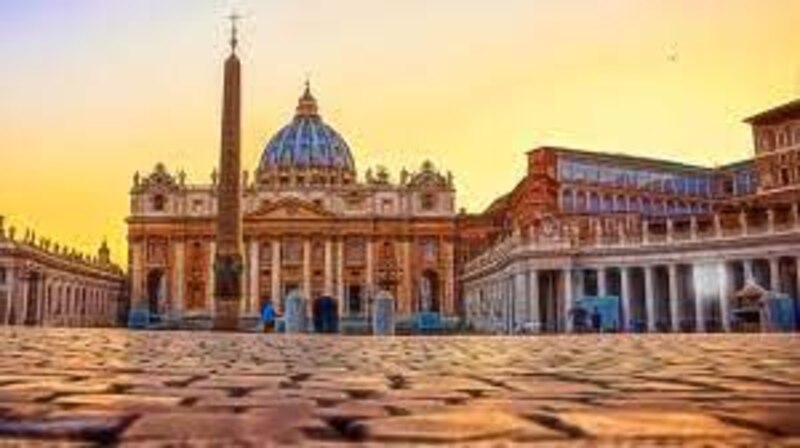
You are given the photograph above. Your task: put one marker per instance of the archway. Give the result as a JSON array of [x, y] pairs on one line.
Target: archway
[[325, 312], [429, 292], [155, 290]]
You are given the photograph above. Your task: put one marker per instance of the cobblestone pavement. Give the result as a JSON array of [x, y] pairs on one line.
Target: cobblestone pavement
[[98, 387]]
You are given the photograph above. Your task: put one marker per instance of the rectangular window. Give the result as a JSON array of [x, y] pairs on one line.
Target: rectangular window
[[386, 206], [355, 251], [292, 252]]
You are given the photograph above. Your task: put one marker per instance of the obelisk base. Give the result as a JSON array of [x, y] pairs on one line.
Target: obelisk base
[[226, 316]]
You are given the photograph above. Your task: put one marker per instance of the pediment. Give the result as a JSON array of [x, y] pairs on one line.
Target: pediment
[[290, 208]]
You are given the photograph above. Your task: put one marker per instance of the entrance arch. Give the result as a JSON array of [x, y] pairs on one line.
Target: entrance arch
[[429, 300], [156, 288], [325, 313]]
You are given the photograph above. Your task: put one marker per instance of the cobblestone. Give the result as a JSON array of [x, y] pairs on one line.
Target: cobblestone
[[95, 387]]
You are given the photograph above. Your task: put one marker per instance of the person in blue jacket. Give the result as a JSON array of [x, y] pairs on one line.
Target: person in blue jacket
[[268, 317]]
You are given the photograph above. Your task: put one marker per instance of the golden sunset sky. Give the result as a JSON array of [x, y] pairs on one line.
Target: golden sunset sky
[[93, 90]]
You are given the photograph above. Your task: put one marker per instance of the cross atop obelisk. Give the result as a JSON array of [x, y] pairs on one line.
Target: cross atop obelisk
[[234, 18]]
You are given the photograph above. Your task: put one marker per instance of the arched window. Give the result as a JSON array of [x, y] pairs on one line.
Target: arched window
[[567, 201], [622, 204], [159, 202], [581, 205], [768, 140], [427, 201], [647, 206], [594, 202], [608, 204]]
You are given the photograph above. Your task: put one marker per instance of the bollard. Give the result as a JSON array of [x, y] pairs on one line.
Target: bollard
[[295, 315], [383, 314]]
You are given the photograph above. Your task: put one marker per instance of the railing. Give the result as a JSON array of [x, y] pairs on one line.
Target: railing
[[514, 245]]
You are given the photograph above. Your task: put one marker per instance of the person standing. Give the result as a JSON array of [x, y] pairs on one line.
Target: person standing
[[268, 317]]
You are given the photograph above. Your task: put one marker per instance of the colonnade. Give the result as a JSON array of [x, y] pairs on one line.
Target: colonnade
[[38, 298], [675, 295]]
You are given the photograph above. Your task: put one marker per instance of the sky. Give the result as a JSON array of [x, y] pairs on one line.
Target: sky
[[92, 91]]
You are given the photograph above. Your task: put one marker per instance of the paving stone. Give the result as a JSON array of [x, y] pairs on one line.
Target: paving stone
[[450, 427], [121, 401], [95, 427], [354, 410], [77, 386], [643, 423], [282, 425], [783, 420]]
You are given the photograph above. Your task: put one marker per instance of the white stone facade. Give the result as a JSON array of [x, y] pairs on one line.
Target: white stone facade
[[681, 281]]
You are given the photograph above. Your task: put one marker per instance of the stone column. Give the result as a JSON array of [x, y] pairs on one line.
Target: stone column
[[774, 274], [275, 272], [137, 275], [724, 297], [307, 270], [566, 275], [625, 292], [521, 298], [340, 276], [370, 274], [533, 298], [602, 286], [747, 265], [23, 308], [670, 230], [674, 305], [253, 302], [770, 220], [650, 297], [179, 278], [743, 222], [211, 305], [328, 288], [699, 305], [408, 306], [508, 290], [448, 307]]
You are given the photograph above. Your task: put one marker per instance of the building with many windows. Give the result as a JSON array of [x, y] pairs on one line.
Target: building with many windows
[[675, 243]]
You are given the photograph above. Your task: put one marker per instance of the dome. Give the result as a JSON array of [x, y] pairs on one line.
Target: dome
[[307, 142]]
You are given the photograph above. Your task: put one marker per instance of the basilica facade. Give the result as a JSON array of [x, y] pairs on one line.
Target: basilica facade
[[310, 223]]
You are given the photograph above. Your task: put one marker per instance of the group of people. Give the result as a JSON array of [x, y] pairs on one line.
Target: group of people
[[583, 320], [324, 311]]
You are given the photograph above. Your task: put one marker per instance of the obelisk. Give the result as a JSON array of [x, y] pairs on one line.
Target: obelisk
[[228, 266]]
